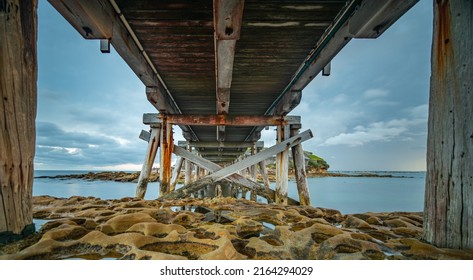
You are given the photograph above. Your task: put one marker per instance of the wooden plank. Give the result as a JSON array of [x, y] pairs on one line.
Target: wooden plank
[[18, 95], [263, 155], [167, 145], [213, 167], [300, 172], [147, 167], [176, 173], [221, 120], [448, 213], [282, 167]]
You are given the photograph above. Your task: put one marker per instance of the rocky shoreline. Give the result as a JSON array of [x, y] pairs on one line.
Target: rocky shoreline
[[218, 228], [121, 176]]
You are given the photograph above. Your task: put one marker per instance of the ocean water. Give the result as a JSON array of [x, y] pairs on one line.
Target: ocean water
[[346, 194]]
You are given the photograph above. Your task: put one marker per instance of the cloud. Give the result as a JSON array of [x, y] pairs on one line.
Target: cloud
[[57, 148], [382, 131], [375, 93], [379, 131]]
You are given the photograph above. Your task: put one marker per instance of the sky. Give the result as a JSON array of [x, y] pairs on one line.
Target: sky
[[369, 114]]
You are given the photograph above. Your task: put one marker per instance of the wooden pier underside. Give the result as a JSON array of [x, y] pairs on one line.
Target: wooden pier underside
[[223, 70]]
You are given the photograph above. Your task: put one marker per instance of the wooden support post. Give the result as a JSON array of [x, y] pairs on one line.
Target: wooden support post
[[253, 172], [18, 77], [151, 151], [238, 179], [188, 167], [299, 171], [167, 145], [230, 170], [282, 161], [448, 213], [176, 173]]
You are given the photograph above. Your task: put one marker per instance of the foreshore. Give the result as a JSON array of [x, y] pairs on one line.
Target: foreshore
[[218, 228]]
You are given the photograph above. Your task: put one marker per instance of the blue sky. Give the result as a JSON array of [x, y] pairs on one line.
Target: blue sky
[[370, 114]]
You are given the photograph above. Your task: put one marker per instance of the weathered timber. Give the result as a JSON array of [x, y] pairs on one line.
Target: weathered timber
[[176, 173], [227, 24], [145, 135], [265, 154], [253, 173], [361, 19], [150, 156], [240, 165], [222, 120], [300, 173], [213, 167], [167, 144], [18, 93], [226, 144], [282, 167], [448, 212], [188, 166]]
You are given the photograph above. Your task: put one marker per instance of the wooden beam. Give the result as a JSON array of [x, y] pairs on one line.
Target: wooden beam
[[167, 145], [222, 120], [92, 20], [226, 144], [147, 167], [265, 154], [282, 168], [357, 21], [176, 173], [300, 171], [213, 167], [18, 94], [227, 24]]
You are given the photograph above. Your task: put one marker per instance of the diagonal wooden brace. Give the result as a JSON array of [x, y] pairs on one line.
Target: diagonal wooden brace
[[222, 173]]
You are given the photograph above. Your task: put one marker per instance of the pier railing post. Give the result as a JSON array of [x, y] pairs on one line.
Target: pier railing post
[[299, 169], [282, 162], [153, 145]]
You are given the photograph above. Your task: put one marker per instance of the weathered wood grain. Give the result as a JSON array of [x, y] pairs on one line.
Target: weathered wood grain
[[282, 166], [18, 93], [448, 209], [151, 151], [300, 172]]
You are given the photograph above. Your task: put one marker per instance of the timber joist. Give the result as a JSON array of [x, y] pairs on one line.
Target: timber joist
[[221, 120]]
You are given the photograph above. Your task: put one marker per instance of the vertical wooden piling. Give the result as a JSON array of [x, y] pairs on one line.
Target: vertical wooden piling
[[282, 168], [176, 173], [253, 172], [299, 170], [167, 145], [188, 167], [18, 77], [448, 212], [153, 145]]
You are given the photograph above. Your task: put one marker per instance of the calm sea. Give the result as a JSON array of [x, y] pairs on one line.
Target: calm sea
[[346, 194]]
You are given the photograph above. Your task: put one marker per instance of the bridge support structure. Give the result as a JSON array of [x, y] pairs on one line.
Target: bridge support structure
[[208, 174]]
